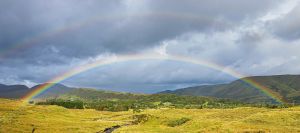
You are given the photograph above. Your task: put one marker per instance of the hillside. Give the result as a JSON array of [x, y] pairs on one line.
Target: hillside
[[18, 91], [287, 86], [54, 91], [95, 94], [13, 91]]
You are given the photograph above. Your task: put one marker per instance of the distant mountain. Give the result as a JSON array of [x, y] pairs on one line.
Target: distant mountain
[[85, 93], [13, 91], [287, 86], [54, 91], [18, 91]]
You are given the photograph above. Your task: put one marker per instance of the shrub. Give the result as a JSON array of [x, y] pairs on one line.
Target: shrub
[[140, 118], [178, 122]]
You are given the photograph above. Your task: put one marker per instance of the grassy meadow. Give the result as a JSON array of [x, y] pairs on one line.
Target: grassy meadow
[[52, 118]]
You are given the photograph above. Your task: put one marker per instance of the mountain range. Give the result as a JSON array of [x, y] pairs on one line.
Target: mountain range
[[288, 86], [18, 91], [13, 91]]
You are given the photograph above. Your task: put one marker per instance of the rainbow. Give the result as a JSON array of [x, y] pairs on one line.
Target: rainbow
[[58, 31], [137, 57], [34, 40]]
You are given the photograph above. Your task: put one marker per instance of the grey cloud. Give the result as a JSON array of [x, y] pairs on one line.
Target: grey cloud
[[232, 10], [155, 74], [133, 30], [288, 26], [67, 32], [258, 54]]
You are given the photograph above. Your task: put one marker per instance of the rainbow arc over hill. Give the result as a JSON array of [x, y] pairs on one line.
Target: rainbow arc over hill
[[137, 57]]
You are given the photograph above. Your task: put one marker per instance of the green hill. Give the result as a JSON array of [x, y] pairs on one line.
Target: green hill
[[288, 86], [54, 91]]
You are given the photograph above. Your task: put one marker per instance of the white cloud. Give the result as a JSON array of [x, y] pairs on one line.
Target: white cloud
[[250, 48], [279, 12]]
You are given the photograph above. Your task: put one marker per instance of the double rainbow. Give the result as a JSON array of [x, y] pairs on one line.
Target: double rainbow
[[137, 57]]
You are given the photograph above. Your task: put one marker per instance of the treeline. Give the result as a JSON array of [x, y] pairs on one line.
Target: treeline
[[77, 104], [112, 101], [143, 102], [125, 105]]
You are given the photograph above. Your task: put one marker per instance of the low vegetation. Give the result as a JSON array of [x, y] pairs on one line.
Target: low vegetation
[[52, 118], [112, 101], [178, 122], [144, 102]]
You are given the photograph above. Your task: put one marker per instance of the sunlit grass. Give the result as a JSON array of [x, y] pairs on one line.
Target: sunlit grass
[[55, 119], [58, 119], [222, 120]]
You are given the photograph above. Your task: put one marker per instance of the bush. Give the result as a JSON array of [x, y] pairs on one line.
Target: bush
[[178, 122], [142, 118]]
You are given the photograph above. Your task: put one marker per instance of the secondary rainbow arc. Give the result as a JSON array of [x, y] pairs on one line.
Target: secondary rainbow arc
[[36, 39], [135, 57]]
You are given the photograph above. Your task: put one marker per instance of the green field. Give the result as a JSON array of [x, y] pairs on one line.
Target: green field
[[51, 118]]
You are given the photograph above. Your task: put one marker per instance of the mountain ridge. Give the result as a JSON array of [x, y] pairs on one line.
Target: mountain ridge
[[18, 91], [13, 91], [288, 86]]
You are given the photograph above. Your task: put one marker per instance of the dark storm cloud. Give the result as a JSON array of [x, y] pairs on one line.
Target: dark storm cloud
[[58, 35], [133, 28], [21, 20]]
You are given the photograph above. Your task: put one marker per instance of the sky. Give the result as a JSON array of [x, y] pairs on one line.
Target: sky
[[41, 40]]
